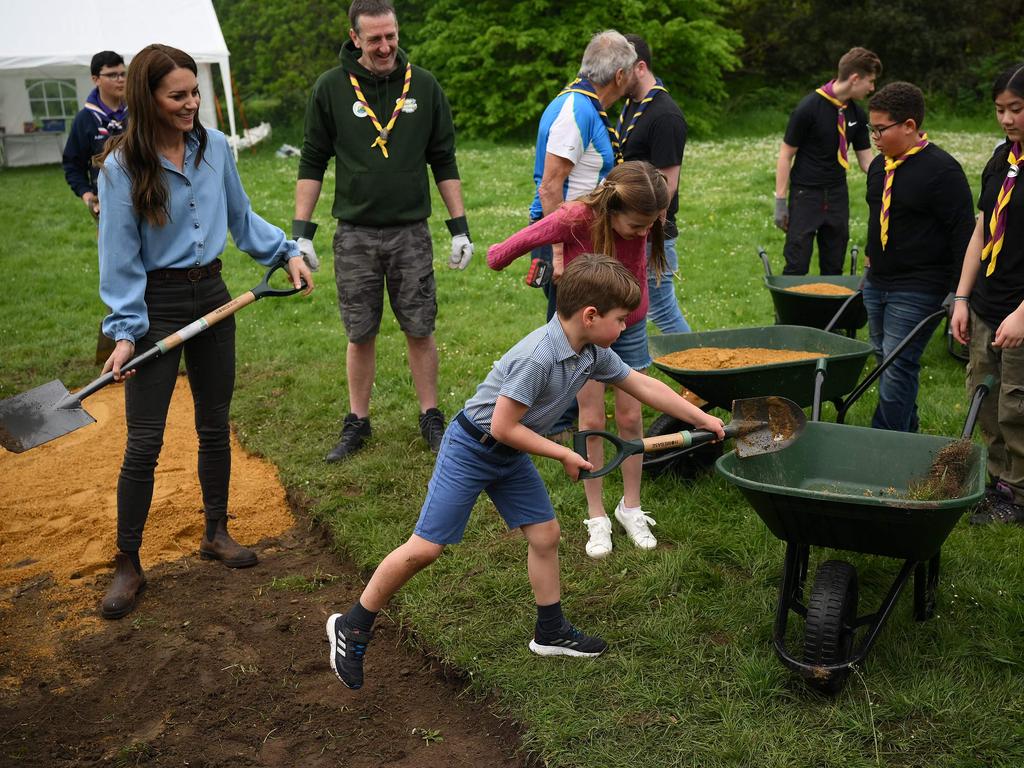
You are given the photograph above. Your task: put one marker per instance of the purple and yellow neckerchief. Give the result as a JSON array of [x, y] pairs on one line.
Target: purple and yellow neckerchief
[[111, 120], [997, 223], [383, 132], [624, 135], [890, 171], [827, 92], [582, 85]]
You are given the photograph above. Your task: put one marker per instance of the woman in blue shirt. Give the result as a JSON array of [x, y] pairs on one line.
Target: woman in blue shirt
[[171, 192]]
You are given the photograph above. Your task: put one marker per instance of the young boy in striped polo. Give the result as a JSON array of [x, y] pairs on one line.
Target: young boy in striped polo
[[487, 448]]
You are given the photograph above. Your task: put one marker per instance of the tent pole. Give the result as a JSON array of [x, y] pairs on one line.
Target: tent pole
[[225, 76]]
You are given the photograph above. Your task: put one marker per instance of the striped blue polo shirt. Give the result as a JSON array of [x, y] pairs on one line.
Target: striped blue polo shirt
[[544, 373]]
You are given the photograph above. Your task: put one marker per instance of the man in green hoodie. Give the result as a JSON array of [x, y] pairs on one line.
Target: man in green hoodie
[[384, 121]]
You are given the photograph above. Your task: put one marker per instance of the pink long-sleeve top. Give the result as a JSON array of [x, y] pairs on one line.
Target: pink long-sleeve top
[[570, 225]]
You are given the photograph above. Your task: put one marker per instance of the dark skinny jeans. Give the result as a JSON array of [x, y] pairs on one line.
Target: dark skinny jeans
[[210, 364]]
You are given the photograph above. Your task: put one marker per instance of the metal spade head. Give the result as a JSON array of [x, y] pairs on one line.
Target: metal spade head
[[766, 424], [33, 418]]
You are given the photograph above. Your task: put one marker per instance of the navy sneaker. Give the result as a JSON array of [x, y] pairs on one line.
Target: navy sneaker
[[348, 645], [432, 428], [568, 641]]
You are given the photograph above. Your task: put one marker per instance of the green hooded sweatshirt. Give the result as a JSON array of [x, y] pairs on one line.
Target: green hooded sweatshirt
[[371, 190]]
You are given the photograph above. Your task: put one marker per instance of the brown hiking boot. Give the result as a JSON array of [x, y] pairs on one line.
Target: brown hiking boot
[[126, 584], [226, 549]]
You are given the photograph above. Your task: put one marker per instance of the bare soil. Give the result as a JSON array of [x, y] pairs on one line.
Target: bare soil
[[215, 667], [821, 289]]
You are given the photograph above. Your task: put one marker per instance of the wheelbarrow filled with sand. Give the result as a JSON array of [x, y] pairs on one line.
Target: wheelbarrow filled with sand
[[830, 302], [864, 490]]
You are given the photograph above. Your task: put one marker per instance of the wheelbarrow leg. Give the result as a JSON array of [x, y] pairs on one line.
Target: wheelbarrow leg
[[791, 590], [926, 582]]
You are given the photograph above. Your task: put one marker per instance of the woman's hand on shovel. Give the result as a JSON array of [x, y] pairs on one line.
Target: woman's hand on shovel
[[122, 353]]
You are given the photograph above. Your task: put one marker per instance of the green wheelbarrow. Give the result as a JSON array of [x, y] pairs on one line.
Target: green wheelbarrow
[[839, 487]]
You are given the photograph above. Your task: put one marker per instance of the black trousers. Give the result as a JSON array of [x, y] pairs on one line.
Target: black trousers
[[210, 363], [821, 213]]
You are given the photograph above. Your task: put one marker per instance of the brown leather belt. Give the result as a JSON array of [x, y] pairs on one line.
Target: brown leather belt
[[192, 275]]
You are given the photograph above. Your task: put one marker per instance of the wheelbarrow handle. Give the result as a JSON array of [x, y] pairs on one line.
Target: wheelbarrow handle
[[182, 335], [627, 448], [763, 254]]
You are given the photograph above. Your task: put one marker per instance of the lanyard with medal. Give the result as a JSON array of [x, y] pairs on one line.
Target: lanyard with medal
[[383, 132]]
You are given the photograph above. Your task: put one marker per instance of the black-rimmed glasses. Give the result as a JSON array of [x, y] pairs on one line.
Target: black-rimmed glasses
[[878, 130], [114, 75]]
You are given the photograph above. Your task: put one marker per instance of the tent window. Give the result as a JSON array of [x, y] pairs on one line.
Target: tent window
[[52, 98]]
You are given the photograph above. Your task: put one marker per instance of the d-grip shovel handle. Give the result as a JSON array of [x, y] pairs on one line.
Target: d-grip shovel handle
[[627, 448], [182, 335]]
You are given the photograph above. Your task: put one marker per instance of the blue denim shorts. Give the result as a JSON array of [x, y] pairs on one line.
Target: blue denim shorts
[[631, 346], [465, 469]]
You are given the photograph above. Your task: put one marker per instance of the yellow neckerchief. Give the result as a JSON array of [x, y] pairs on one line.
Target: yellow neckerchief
[[382, 132], [997, 223], [582, 85], [826, 92], [624, 135], [890, 171]]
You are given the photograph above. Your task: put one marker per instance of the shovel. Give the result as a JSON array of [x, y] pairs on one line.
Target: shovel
[[49, 411], [759, 425]]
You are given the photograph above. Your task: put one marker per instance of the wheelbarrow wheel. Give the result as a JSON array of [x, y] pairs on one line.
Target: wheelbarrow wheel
[[828, 629], [687, 463]]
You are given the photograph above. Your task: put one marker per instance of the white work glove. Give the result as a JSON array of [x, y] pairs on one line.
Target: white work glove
[[302, 232], [462, 246], [308, 253]]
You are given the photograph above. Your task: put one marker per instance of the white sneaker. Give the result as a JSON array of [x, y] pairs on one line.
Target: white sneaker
[[600, 543], [635, 522]]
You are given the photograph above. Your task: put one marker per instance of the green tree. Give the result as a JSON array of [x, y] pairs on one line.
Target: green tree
[[501, 62]]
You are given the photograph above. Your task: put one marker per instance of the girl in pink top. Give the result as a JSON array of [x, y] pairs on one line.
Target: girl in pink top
[[615, 219]]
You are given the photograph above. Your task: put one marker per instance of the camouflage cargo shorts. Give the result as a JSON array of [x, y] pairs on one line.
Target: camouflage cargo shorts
[[400, 258]]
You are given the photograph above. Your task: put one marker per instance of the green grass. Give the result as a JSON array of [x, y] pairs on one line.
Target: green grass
[[691, 678]]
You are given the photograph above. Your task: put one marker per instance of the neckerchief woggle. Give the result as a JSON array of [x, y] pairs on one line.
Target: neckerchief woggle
[[827, 92], [997, 223], [582, 85], [624, 135], [890, 171], [383, 132]]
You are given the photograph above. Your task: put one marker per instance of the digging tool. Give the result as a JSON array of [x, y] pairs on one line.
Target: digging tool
[[759, 425], [50, 411]]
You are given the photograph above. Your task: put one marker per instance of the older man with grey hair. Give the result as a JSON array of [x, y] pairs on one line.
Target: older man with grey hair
[[577, 144]]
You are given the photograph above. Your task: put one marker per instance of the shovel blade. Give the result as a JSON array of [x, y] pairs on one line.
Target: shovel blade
[[32, 418], [775, 423]]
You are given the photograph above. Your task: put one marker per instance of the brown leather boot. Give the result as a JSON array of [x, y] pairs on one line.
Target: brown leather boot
[[126, 584], [226, 549]]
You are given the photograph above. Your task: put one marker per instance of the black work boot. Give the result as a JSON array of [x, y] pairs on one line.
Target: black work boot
[[354, 433], [224, 548], [432, 428], [126, 584]]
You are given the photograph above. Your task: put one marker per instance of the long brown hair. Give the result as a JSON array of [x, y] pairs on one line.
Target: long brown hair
[[137, 145], [635, 186]]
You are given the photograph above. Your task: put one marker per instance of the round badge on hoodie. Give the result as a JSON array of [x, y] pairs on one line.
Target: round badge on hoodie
[[358, 109]]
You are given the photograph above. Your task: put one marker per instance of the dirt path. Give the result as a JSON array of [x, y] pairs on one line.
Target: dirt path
[[214, 667]]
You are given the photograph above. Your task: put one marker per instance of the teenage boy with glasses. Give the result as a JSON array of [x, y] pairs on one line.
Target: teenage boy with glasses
[[103, 116]]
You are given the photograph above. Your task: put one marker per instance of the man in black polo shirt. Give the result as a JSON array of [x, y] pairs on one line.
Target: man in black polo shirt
[[652, 128], [920, 220], [813, 161]]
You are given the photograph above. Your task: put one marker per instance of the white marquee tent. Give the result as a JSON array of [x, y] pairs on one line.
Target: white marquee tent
[[46, 47]]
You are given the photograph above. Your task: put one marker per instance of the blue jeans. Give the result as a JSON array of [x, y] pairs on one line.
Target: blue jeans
[[891, 316], [663, 308]]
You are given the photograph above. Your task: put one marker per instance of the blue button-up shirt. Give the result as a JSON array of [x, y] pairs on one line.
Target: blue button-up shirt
[[203, 204]]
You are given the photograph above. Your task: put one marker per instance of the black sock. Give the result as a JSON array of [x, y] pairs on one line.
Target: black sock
[[550, 618], [134, 558], [361, 618], [211, 527]]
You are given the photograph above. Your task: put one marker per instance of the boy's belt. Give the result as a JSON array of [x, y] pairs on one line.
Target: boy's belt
[[482, 437]]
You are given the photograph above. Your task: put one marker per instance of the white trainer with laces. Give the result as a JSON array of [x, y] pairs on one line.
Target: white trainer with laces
[[635, 521], [600, 543]]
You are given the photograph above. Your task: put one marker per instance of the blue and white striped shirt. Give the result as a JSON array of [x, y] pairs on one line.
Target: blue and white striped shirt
[[203, 204], [544, 373]]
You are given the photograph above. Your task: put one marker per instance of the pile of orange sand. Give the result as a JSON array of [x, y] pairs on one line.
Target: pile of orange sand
[[716, 358], [821, 289], [58, 509]]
